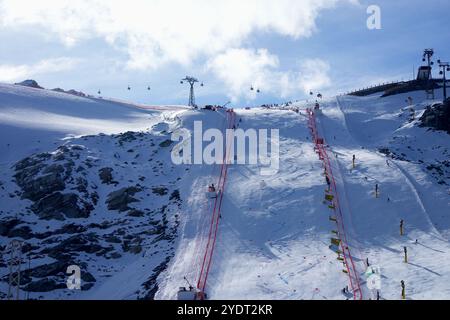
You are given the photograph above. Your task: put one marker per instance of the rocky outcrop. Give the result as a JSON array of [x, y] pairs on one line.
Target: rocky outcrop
[[166, 143], [59, 206], [128, 137], [29, 83], [120, 200], [7, 225], [43, 178], [79, 182], [437, 116], [23, 232], [44, 285], [161, 191], [106, 176], [151, 285], [75, 245]]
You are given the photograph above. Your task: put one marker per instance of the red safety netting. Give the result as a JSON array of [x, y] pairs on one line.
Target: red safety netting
[[321, 150], [216, 213]]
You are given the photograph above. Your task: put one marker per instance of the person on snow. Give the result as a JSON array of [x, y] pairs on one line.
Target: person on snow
[[403, 290], [405, 249]]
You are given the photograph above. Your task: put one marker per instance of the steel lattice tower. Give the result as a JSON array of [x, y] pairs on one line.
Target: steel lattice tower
[[445, 67], [427, 55], [14, 250], [192, 81]]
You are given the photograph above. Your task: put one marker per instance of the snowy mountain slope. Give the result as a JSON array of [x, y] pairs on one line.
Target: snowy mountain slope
[[78, 190], [103, 202], [274, 234], [39, 119], [362, 127]]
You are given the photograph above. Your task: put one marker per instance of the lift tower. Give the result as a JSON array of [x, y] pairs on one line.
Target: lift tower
[[192, 81], [427, 55], [14, 251], [445, 67]]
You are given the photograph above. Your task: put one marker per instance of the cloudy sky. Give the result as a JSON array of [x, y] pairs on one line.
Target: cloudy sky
[[283, 47]]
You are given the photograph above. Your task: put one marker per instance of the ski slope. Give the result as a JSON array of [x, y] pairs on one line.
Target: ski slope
[[274, 232], [406, 193], [273, 236]]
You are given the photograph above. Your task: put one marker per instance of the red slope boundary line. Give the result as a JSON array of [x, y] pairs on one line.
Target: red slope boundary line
[[348, 258], [214, 226]]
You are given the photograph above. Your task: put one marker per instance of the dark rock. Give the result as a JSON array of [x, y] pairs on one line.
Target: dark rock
[[175, 196], [127, 137], [71, 229], [45, 285], [47, 270], [162, 191], [87, 243], [115, 255], [87, 277], [133, 246], [32, 161], [437, 116], [58, 205], [151, 285], [67, 229], [54, 168], [29, 83], [82, 185], [166, 143], [37, 188], [112, 239], [103, 226], [119, 200], [7, 225], [87, 286], [106, 176], [136, 249], [136, 213], [76, 93], [24, 232]]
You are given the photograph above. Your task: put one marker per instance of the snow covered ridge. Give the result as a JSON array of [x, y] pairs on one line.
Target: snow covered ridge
[[34, 84], [91, 183], [29, 83]]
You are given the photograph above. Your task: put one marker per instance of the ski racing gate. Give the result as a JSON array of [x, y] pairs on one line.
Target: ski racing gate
[[199, 293], [341, 243]]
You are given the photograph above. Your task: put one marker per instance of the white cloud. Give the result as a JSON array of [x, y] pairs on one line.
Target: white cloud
[[313, 75], [240, 69], [9, 73], [154, 32]]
